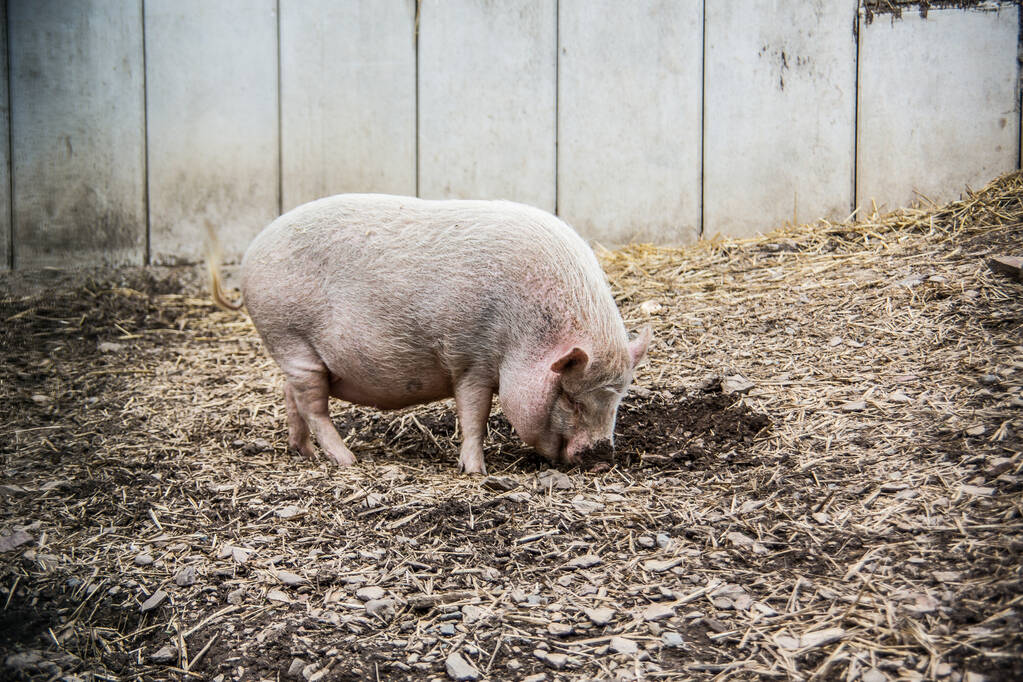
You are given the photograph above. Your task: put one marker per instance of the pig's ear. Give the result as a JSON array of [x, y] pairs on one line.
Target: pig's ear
[[638, 346], [574, 358]]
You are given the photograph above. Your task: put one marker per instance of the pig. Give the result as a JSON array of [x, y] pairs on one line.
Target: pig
[[392, 301]]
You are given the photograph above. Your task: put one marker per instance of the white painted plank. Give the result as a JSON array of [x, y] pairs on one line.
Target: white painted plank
[[211, 74], [629, 100], [77, 120], [938, 104], [5, 148], [487, 100], [348, 89], [779, 113]]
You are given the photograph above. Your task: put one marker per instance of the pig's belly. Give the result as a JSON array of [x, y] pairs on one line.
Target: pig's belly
[[387, 388]]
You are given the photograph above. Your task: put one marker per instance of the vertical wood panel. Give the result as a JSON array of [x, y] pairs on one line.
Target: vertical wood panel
[[348, 88], [487, 100], [77, 120], [629, 100], [211, 70], [939, 105], [779, 113], [5, 147]]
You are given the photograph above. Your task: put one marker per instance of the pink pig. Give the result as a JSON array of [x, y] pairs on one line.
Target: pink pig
[[394, 301]]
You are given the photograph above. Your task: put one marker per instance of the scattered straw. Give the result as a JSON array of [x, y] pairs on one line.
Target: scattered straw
[[855, 515]]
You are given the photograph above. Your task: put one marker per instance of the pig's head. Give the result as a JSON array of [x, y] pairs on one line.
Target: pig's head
[[566, 407]]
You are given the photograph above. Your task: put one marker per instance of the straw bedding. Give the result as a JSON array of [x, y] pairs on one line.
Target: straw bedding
[[818, 476]]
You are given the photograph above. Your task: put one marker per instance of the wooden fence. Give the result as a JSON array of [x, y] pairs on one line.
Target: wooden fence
[[132, 124]]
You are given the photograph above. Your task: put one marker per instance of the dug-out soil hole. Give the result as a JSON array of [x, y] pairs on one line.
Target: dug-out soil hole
[[663, 427]]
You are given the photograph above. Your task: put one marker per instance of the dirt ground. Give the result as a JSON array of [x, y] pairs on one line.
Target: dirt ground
[[818, 476]]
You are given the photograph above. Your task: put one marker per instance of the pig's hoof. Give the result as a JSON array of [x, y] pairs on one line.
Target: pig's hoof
[[472, 467], [344, 459], [303, 449]]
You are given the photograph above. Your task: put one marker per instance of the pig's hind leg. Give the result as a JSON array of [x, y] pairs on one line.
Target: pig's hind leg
[[299, 438], [472, 401], [308, 392]]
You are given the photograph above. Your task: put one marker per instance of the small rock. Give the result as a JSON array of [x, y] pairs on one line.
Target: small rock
[[623, 645], [998, 465], [600, 616], [370, 592], [472, 614], [977, 490], [899, 397], [286, 513], [584, 506], [40, 399], [645, 541], [499, 483], [821, 637], [514, 664], [584, 561], [658, 566], [295, 669], [552, 479], [155, 600], [978, 430], [240, 555], [143, 559], [989, 379], [555, 660], [446, 629], [873, 675], [166, 655], [658, 611], [560, 629], [373, 500], [742, 540], [911, 281], [650, 307], [289, 578], [380, 608], [672, 640], [854, 406], [277, 595], [185, 577], [736, 383], [15, 539], [459, 669], [538, 677], [235, 597], [257, 446], [109, 347]]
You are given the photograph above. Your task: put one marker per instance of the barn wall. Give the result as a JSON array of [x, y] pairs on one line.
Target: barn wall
[[128, 127]]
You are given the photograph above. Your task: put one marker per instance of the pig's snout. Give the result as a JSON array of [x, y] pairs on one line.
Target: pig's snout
[[601, 451]]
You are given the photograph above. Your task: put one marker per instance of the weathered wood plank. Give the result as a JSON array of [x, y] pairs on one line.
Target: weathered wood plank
[[487, 100], [348, 89], [629, 100], [5, 148], [939, 107], [780, 104], [211, 70], [77, 126]]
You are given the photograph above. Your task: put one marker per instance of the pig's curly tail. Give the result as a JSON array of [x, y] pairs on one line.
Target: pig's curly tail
[[213, 265]]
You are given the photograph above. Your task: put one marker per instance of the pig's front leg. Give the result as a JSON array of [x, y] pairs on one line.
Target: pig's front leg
[[472, 401]]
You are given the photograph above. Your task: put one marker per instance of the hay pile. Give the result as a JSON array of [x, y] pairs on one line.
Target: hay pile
[[854, 514]]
